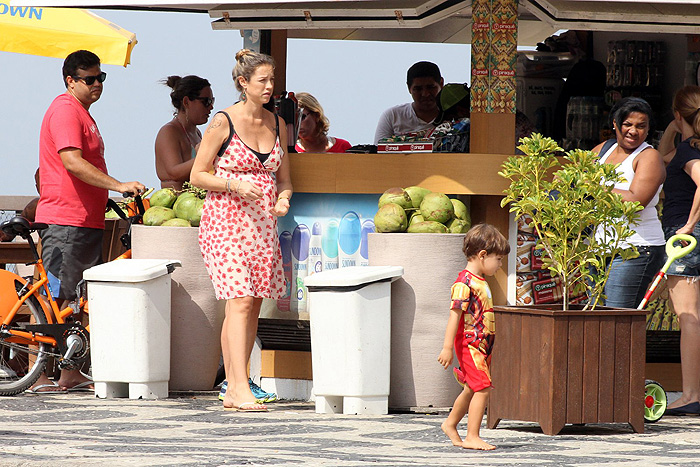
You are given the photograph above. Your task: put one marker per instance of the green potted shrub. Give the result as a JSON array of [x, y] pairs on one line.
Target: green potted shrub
[[566, 209], [559, 364]]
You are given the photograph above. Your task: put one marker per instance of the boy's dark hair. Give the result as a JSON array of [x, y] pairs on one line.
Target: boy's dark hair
[[485, 237], [423, 70], [78, 60]]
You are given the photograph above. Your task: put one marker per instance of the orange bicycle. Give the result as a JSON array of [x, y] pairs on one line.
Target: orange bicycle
[[32, 327]]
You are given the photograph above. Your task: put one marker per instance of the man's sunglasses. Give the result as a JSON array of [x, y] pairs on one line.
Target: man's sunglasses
[[90, 80], [207, 101]]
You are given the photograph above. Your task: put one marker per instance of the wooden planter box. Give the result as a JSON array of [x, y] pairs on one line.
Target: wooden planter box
[[556, 367]]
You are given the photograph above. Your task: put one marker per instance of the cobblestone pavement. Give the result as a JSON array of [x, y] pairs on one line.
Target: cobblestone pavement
[[77, 429]]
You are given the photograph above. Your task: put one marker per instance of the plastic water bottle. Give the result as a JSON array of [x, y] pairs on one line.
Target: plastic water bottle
[[300, 256], [367, 228], [286, 249], [329, 246], [315, 255], [349, 235]]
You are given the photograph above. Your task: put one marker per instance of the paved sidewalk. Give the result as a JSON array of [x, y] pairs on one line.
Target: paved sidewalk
[[77, 429]]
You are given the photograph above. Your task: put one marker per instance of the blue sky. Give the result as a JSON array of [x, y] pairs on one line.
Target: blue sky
[[354, 81]]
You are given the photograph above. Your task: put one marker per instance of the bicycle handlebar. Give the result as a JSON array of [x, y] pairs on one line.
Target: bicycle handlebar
[[138, 201]]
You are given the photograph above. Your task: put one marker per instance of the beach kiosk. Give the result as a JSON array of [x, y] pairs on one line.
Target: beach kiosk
[[494, 28]]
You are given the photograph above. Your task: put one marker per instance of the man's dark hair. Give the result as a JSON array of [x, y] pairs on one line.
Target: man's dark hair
[[423, 70], [78, 60]]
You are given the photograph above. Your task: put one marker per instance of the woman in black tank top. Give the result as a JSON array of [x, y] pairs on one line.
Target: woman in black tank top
[[246, 171]]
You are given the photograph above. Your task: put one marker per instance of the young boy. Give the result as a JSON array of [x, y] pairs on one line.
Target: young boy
[[470, 331]]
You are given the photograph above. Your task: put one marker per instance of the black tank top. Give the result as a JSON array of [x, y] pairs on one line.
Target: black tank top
[[261, 156]]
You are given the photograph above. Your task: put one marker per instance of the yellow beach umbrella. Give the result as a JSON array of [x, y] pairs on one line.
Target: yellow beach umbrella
[[56, 32]]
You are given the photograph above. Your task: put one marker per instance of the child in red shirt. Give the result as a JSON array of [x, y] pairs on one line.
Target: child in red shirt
[[470, 332]]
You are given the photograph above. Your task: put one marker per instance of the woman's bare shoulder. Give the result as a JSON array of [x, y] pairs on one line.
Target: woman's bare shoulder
[[650, 153], [170, 130]]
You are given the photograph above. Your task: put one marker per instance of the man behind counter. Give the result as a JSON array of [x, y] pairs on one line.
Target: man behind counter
[[424, 82]]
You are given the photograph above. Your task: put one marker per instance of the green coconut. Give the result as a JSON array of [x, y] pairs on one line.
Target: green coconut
[[390, 218], [183, 196], [416, 194], [176, 222], [415, 218], [427, 227], [190, 209], [437, 207], [156, 215], [197, 215], [111, 214], [164, 197], [458, 226], [461, 210], [396, 195]]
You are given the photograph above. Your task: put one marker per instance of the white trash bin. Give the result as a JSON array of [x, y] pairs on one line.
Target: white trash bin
[[350, 314], [129, 305]]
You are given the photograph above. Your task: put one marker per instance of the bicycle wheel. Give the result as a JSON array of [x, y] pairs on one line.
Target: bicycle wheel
[[17, 373]]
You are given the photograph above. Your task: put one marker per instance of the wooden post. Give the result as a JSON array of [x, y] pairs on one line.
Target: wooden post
[[274, 43]]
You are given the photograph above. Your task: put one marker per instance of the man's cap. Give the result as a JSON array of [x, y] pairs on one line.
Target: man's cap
[[449, 96], [452, 94]]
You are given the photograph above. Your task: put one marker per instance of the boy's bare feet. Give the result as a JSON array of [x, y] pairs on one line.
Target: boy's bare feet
[[451, 433], [477, 443]]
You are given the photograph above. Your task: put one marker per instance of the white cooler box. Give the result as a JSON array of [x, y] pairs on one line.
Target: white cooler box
[[129, 305], [350, 314]]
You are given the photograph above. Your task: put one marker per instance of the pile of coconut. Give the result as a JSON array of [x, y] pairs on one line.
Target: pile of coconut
[[176, 209], [418, 210]]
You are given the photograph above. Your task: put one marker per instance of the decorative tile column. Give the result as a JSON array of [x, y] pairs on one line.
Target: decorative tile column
[[494, 44], [494, 47]]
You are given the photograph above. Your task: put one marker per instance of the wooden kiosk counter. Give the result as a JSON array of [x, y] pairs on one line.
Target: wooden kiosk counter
[[431, 262], [470, 174]]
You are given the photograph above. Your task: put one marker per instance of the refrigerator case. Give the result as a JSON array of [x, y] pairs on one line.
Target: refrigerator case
[[537, 98]]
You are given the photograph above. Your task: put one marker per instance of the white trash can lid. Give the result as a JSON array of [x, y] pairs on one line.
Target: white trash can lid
[[353, 276], [131, 270]]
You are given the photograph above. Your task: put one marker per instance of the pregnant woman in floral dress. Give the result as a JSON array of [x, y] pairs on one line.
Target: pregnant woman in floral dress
[[243, 164]]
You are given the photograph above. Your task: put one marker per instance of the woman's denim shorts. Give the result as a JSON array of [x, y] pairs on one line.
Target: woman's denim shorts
[[688, 265]]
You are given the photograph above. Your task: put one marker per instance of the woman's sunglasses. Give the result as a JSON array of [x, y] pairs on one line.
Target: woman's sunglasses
[[207, 101], [90, 80]]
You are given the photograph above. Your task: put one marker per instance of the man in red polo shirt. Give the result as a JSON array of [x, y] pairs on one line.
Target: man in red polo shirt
[[74, 190]]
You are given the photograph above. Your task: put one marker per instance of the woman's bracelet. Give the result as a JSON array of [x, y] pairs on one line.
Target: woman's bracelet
[[228, 188], [239, 185]]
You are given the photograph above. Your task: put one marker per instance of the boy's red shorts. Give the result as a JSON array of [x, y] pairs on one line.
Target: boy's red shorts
[[473, 369]]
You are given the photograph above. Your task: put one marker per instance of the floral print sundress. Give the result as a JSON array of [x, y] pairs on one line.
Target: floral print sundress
[[238, 238]]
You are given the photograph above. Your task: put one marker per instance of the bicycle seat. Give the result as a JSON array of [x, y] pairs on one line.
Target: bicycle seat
[[19, 225]]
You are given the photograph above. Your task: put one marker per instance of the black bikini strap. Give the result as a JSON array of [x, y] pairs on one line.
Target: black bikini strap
[[222, 150], [277, 121]]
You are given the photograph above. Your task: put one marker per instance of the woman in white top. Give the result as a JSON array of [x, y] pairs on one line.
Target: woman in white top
[[643, 170]]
